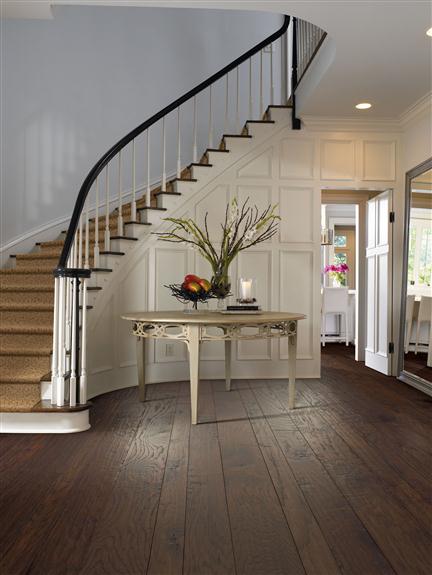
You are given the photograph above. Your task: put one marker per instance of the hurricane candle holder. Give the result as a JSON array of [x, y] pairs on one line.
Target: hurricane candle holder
[[247, 290]]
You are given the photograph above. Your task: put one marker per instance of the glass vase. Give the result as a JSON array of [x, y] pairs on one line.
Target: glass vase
[[221, 285]]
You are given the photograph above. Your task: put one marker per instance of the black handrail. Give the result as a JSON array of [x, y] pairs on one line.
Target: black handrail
[[112, 152]]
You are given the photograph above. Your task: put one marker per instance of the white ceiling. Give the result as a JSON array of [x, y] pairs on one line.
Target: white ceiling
[[382, 54]]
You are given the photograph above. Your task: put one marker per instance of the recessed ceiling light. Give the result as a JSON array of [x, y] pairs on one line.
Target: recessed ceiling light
[[363, 106], [429, 32]]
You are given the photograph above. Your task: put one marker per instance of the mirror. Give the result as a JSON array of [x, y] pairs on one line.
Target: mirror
[[415, 354]]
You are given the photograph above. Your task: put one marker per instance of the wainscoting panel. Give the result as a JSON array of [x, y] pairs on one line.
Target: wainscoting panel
[[297, 159], [379, 160], [337, 159], [292, 201], [258, 167]]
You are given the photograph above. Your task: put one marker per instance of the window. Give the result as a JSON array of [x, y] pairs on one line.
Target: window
[[340, 241]]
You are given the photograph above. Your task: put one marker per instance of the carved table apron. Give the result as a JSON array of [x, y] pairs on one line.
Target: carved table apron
[[194, 328]]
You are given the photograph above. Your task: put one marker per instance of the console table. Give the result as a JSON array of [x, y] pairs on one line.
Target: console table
[[194, 328]]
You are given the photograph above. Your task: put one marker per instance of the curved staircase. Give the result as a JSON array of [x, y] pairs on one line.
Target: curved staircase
[[43, 316]]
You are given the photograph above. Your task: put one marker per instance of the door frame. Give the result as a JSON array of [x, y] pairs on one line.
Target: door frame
[[359, 198]]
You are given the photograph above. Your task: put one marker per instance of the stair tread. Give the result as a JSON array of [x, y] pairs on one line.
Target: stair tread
[[23, 270], [27, 288], [137, 223], [10, 328], [216, 150], [166, 194], [237, 136], [111, 253], [124, 238], [152, 208], [25, 306], [46, 255]]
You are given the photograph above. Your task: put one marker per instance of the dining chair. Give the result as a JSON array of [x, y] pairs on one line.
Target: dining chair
[[334, 302], [424, 316], [410, 300]]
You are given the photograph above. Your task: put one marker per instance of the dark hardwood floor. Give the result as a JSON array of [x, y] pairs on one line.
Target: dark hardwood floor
[[340, 485]]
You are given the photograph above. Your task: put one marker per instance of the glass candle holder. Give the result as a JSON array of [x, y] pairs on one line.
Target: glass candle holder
[[247, 290]]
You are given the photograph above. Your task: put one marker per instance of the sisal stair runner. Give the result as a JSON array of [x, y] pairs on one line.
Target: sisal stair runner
[[26, 313]]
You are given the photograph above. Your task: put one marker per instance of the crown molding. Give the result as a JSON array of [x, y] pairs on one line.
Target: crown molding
[[349, 124], [422, 107]]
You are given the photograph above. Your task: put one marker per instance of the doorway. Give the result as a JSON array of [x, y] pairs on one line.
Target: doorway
[[357, 232]]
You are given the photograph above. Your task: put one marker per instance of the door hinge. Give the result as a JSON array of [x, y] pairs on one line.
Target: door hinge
[[392, 217], [391, 347]]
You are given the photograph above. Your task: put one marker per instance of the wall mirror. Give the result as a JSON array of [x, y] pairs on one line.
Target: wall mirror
[[415, 353]]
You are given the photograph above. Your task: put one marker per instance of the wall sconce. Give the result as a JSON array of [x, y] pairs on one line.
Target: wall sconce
[[326, 237]]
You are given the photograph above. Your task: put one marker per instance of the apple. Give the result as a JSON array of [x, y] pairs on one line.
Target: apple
[[205, 284], [191, 286], [191, 278]]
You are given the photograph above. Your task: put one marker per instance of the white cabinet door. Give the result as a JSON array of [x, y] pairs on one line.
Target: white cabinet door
[[379, 299]]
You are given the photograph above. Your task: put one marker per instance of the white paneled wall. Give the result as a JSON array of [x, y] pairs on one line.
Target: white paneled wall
[[290, 169]]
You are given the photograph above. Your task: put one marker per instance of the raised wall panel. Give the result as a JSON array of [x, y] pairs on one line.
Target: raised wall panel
[[297, 214], [296, 159], [171, 267], [379, 160], [256, 264], [103, 356], [296, 288], [131, 296], [215, 205], [259, 167], [259, 196], [337, 160]]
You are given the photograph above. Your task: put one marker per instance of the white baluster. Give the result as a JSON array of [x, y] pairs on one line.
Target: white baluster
[[163, 181], [178, 144], [87, 238], [148, 194], [68, 310], [195, 128], [250, 91], [237, 100], [107, 228], [120, 215], [271, 76], [72, 380], [83, 372], [226, 120], [133, 204], [75, 251], [210, 127], [60, 387], [96, 240], [261, 104], [80, 242], [54, 358]]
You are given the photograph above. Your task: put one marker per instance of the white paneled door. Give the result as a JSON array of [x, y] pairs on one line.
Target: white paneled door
[[379, 283]]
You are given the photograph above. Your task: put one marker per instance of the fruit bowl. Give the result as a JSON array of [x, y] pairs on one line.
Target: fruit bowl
[[193, 289]]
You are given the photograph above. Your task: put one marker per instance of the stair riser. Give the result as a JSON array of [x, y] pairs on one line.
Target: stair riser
[[19, 395], [25, 340], [238, 145], [27, 318], [153, 217], [219, 160], [184, 187], [122, 245], [168, 202], [136, 231], [109, 261], [8, 365], [282, 115], [27, 279], [27, 297], [258, 131], [99, 279], [200, 172]]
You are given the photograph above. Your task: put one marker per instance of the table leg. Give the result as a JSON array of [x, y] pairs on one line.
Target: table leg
[[193, 345], [140, 348], [292, 355], [228, 364]]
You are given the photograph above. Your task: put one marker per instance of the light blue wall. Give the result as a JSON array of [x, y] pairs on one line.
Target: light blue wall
[[74, 85]]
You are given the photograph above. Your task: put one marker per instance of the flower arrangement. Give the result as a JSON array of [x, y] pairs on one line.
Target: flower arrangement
[[337, 272], [243, 228]]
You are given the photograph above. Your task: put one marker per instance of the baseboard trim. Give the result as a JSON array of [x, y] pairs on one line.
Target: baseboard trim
[[64, 422]]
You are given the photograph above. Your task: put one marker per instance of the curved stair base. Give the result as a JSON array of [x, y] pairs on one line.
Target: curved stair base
[[45, 421]]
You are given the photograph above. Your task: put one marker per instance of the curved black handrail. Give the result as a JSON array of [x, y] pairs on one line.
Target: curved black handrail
[[112, 152]]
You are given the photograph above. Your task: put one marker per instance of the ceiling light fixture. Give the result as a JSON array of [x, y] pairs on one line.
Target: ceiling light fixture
[[429, 32], [363, 106]]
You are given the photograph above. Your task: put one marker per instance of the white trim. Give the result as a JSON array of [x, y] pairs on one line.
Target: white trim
[[423, 105], [43, 422]]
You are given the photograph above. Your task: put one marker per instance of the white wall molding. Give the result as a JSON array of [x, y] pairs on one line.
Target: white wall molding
[[423, 106], [41, 422]]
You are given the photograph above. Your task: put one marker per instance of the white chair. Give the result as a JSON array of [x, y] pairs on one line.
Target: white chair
[[335, 302], [424, 316], [410, 300]]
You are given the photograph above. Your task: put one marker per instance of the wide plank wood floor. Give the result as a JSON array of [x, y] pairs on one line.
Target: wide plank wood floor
[[340, 485]]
